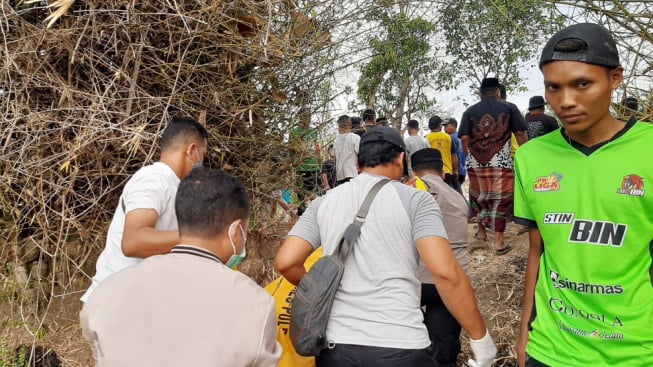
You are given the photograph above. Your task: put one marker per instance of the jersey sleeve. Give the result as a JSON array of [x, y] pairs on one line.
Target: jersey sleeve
[[523, 212]]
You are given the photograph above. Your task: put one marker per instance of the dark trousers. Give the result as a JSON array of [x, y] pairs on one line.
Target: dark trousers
[[349, 355], [530, 362], [444, 330], [452, 181], [306, 185], [461, 179]]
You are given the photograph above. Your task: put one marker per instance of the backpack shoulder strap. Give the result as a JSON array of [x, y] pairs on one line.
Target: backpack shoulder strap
[[354, 230]]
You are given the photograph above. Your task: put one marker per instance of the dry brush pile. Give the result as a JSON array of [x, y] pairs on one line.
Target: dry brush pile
[[83, 103]]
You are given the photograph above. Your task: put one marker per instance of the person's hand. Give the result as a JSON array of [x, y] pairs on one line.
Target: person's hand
[[484, 351]]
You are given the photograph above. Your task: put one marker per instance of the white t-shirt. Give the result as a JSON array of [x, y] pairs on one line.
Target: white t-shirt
[[346, 148], [378, 302], [151, 187]]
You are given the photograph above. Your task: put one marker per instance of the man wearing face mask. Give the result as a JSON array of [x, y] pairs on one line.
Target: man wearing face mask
[[144, 222], [187, 307]]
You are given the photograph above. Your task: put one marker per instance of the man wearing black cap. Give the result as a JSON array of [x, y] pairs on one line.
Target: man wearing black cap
[[485, 131], [451, 127], [376, 318], [444, 330], [538, 122], [588, 297]]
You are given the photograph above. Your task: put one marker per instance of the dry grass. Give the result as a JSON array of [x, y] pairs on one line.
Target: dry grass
[[83, 103]]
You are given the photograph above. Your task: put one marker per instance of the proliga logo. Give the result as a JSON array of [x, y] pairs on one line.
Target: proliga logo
[[548, 183], [632, 185]]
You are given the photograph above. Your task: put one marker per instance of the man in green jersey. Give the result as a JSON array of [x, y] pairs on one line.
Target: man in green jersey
[[583, 191]]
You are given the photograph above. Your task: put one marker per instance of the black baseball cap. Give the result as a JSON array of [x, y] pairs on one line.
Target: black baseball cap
[[387, 134], [383, 133], [449, 120], [434, 122], [428, 157], [600, 47]]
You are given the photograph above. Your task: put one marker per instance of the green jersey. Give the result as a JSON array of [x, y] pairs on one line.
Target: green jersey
[[594, 292]]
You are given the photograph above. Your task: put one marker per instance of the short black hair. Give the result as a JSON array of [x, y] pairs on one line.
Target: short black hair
[[208, 200], [489, 92], [437, 166], [502, 91], [412, 124], [342, 120], [368, 114], [355, 121], [180, 131], [377, 153]]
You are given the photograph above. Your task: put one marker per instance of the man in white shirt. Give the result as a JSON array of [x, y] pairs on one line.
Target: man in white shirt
[[346, 149], [144, 222], [188, 307]]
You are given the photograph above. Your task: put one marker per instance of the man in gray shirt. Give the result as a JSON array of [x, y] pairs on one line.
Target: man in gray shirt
[[414, 141], [376, 318], [444, 330]]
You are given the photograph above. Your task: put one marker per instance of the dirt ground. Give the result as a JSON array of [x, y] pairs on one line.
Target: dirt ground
[[497, 280]]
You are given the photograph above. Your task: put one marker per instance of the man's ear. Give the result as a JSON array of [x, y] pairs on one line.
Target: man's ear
[[400, 159], [616, 77], [189, 149]]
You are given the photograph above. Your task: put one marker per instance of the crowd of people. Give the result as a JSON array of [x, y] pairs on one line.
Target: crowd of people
[[165, 294]]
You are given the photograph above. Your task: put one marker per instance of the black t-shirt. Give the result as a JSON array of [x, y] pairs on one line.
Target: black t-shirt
[[540, 124], [329, 167]]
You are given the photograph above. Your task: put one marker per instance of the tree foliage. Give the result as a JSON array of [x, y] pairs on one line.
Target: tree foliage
[[396, 78], [493, 38]]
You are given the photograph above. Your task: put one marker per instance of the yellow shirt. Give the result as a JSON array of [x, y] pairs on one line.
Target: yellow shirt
[[513, 145], [442, 141]]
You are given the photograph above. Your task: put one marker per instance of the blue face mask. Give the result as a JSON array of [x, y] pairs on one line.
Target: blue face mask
[[199, 163], [235, 259]]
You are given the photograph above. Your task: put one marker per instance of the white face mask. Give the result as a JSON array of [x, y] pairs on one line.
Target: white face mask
[[235, 259], [199, 163]]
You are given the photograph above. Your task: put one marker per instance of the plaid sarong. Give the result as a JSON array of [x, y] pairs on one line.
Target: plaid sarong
[[491, 194]]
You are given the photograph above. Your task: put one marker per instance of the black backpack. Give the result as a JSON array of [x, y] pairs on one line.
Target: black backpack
[[317, 289]]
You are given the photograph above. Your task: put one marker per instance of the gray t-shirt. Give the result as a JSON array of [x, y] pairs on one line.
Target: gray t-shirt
[[379, 297], [454, 217], [415, 143]]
